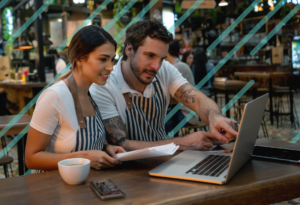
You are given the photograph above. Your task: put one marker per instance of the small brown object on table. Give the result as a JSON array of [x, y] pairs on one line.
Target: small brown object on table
[[258, 182], [14, 130]]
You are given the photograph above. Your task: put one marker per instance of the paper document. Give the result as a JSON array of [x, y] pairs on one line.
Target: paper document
[[158, 151]]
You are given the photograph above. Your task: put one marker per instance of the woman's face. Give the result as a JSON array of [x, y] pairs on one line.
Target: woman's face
[[99, 64], [189, 59]]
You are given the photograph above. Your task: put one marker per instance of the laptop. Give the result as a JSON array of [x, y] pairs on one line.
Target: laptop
[[214, 167]]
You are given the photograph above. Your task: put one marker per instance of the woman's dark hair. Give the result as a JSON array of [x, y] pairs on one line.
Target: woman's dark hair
[[184, 56], [139, 31], [84, 42], [200, 61]]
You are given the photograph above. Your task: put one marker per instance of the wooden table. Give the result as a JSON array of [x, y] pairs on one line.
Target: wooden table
[[14, 130], [18, 92], [270, 76], [232, 85], [258, 182]]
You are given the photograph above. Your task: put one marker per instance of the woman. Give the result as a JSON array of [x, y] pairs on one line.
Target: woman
[[188, 58], [66, 122], [201, 67]]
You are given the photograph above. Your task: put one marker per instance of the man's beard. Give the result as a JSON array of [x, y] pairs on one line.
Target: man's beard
[[137, 73]]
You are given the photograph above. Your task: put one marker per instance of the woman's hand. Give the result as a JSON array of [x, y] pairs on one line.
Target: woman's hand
[[112, 150], [100, 159]]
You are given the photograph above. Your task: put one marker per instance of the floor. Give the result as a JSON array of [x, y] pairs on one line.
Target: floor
[[284, 132]]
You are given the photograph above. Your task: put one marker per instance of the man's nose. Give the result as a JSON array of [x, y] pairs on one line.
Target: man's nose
[[155, 65]]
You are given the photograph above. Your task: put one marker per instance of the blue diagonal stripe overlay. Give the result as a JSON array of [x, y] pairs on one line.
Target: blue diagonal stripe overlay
[[224, 109], [296, 138], [229, 55], [29, 21], [2, 3], [275, 30], [233, 25]]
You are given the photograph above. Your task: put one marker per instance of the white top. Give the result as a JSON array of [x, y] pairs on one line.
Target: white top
[[186, 72], [55, 115], [60, 64], [110, 99]]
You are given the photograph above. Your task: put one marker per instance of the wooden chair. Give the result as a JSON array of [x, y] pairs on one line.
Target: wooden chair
[[201, 126], [6, 160]]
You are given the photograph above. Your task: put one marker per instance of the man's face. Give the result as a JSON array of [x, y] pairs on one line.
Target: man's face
[[148, 58]]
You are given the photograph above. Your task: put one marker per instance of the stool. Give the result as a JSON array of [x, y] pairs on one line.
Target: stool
[[6, 160], [279, 93]]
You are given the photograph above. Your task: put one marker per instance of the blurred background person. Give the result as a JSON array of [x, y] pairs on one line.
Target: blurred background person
[[59, 62], [200, 69], [188, 58]]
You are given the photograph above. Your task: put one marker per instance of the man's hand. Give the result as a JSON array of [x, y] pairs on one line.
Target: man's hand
[[222, 128], [113, 150], [196, 141]]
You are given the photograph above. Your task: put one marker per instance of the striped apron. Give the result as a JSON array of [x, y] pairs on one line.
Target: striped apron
[[91, 132], [93, 136], [146, 116]]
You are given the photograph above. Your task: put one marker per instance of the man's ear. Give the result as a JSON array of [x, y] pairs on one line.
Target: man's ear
[[129, 50]]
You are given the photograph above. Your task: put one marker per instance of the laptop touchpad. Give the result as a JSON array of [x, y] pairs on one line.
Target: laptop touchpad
[[183, 161]]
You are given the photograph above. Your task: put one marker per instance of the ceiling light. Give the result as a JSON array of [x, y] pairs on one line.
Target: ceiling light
[[223, 3]]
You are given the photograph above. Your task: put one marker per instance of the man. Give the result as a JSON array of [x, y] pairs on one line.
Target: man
[[133, 103], [185, 70], [59, 63]]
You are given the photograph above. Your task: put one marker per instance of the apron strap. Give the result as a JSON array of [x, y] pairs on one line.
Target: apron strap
[[74, 92], [128, 100]]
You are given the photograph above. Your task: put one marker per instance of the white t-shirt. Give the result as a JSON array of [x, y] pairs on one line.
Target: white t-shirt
[[110, 99], [60, 64], [55, 115]]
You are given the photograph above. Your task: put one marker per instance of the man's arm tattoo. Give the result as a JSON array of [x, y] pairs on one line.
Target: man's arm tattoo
[[116, 130], [184, 93]]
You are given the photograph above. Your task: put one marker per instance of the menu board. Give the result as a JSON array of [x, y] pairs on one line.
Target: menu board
[[248, 24]]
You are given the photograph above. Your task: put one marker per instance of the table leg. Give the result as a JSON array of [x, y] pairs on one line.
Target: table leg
[[227, 101], [21, 151], [291, 106], [271, 100]]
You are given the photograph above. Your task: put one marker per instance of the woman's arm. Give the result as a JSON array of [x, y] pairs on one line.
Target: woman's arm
[[37, 158]]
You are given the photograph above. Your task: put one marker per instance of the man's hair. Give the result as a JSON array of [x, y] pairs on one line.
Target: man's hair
[[139, 31], [174, 48]]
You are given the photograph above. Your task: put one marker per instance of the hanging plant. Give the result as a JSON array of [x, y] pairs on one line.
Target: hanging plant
[[213, 13], [8, 21], [241, 7]]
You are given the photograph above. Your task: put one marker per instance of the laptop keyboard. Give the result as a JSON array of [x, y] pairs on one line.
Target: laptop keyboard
[[212, 165]]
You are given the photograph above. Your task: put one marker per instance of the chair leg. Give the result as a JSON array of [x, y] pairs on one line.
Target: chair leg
[[5, 171]]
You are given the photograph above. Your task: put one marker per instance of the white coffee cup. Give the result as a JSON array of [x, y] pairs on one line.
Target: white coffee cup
[[74, 171]]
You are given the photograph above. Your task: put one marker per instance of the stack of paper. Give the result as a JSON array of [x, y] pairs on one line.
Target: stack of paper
[[158, 151]]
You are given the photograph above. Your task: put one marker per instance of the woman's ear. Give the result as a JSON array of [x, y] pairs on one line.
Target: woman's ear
[[78, 63]]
